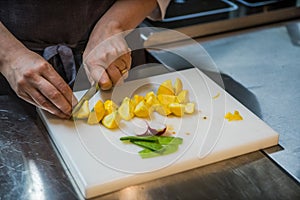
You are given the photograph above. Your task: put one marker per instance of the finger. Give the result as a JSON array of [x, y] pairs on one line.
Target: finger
[[48, 90], [57, 81], [53, 95], [126, 58], [39, 100], [121, 64], [114, 73], [105, 82], [99, 73]]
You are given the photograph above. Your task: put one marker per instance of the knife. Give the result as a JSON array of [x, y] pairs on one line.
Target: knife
[[87, 96]]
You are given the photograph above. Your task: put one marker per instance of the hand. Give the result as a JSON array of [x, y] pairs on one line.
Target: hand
[[108, 63], [35, 80]]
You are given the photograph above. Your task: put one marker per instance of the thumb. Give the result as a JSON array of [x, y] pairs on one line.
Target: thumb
[[100, 75]]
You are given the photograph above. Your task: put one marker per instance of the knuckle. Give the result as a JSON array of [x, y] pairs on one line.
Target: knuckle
[[104, 56], [29, 74], [43, 66], [54, 95], [43, 102], [21, 83], [115, 51], [62, 86]]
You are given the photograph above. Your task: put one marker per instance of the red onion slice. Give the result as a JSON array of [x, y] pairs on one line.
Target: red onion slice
[[156, 128]]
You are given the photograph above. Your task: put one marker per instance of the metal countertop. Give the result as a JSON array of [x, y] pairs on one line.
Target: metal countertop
[[260, 68], [30, 167]]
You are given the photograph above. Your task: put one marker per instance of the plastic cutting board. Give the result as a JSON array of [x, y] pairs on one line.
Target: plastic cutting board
[[100, 163]]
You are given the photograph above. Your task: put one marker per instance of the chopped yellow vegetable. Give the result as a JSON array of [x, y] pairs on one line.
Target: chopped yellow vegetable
[[93, 119], [189, 108], [142, 110], [183, 96], [110, 107], [137, 99], [166, 99], [166, 88], [162, 109], [83, 112], [126, 109], [99, 110], [177, 86], [150, 94], [217, 95], [177, 109], [111, 120], [151, 98], [233, 117]]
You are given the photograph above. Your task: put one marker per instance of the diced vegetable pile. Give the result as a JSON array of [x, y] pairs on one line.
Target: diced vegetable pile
[[168, 100]]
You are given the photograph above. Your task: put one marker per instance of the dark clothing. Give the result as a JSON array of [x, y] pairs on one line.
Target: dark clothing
[[42, 23], [54, 29]]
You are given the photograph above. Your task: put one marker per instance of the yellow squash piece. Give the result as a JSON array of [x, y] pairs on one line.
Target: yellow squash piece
[[166, 88], [151, 99], [233, 117], [189, 108], [93, 119], [111, 120], [83, 112], [142, 110], [99, 110], [166, 99], [177, 109], [183, 97], [177, 86], [110, 107], [126, 109], [137, 99], [150, 94], [162, 109]]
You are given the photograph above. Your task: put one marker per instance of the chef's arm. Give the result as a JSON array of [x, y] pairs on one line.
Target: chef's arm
[[32, 77], [123, 15], [10, 47]]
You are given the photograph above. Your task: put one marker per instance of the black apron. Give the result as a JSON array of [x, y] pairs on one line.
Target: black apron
[[57, 30]]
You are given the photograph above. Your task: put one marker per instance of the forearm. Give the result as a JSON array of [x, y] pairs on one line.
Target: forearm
[[128, 13], [123, 15], [9, 48]]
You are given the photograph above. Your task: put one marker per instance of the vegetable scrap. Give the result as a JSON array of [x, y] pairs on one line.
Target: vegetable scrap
[[233, 117], [145, 128], [217, 95]]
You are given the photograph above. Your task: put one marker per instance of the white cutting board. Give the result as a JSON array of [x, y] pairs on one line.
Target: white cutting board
[[100, 163]]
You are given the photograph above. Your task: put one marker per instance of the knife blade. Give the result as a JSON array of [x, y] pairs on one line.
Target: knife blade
[[87, 96]]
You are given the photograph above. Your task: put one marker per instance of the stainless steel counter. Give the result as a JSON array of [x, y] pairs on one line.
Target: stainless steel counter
[[267, 63], [256, 66], [260, 67]]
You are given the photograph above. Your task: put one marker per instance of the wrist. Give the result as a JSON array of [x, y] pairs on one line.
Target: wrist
[[10, 55], [10, 48]]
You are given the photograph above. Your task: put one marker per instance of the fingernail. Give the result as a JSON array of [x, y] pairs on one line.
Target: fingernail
[[106, 86]]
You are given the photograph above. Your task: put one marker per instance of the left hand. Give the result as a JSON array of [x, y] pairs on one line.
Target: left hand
[[108, 62]]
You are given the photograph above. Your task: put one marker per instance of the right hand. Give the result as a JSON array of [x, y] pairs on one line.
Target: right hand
[[35, 80], [107, 60]]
